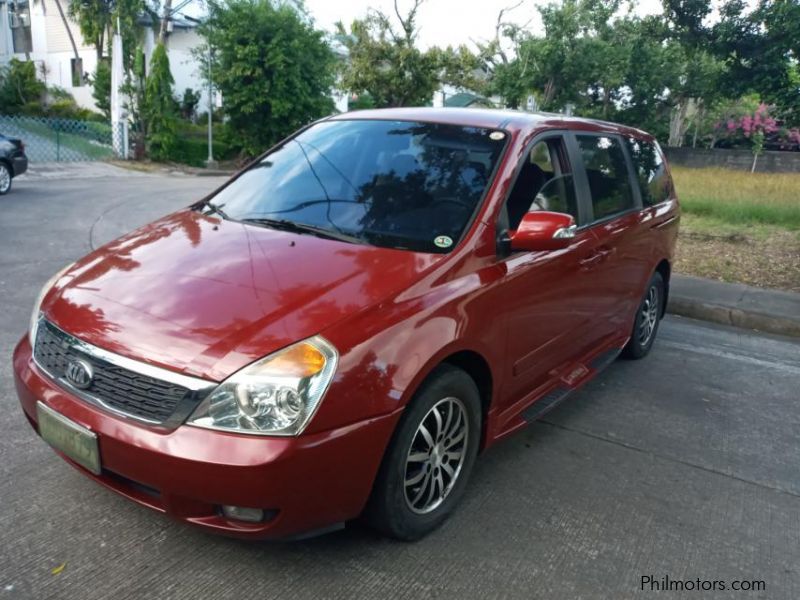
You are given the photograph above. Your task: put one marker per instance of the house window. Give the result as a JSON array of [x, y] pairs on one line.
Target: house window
[[20, 21], [77, 71]]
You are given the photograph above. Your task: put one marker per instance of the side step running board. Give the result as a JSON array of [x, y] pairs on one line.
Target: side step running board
[[557, 395], [545, 403]]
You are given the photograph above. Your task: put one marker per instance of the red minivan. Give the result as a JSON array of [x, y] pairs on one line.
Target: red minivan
[[343, 326]]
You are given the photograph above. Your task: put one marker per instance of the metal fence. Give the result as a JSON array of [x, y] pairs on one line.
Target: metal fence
[[64, 140]]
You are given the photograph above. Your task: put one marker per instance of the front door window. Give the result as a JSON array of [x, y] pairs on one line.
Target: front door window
[[544, 183]]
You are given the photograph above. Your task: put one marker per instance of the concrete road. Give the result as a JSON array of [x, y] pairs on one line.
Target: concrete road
[[683, 465]]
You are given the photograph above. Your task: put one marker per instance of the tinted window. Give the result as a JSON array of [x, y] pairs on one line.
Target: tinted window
[[540, 155], [608, 174], [388, 183], [557, 195], [650, 171], [537, 186]]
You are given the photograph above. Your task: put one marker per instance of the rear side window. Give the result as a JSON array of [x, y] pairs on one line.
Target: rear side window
[[650, 171], [607, 172]]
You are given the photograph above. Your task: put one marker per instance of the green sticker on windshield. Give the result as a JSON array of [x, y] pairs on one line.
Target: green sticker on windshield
[[443, 241]]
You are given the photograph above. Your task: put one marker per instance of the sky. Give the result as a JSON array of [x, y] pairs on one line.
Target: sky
[[444, 22]]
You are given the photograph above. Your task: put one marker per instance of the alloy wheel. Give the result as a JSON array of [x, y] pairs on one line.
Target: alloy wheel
[[436, 456], [649, 316], [5, 179]]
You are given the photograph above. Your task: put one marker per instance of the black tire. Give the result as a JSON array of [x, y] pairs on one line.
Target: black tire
[[648, 317], [5, 178], [390, 509]]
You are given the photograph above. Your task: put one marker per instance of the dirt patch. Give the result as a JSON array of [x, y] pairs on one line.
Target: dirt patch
[[772, 261]]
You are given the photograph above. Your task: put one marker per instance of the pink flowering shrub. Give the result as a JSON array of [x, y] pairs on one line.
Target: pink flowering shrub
[[759, 122], [752, 127]]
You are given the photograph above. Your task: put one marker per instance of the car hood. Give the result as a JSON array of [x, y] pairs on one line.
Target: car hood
[[206, 296]]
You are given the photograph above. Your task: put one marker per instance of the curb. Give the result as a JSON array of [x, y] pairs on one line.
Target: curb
[[205, 172], [170, 169], [725, 315], [213, 173]]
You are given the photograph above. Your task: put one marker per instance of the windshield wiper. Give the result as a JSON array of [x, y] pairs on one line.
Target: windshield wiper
[[286, 225], [214, 209]]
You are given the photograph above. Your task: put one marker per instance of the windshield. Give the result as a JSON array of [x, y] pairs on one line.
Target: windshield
[[396, 184]]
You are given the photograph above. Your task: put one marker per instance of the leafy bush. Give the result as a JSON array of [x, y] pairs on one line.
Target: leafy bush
[[194, 152], [274, 69], [55, 92], [63, 108], [192, 146], [20, 90], [189, 103], [21, 93]]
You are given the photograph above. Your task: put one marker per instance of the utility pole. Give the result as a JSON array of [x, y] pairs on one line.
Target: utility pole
[[165, 17], [210, 163]]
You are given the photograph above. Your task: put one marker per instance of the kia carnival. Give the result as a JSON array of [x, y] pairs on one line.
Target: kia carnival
[[341, 328]]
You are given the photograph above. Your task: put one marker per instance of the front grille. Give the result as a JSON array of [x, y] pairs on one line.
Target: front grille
[[123, 390]]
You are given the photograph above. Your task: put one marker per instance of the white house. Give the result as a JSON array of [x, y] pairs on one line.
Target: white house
[[35, 31]]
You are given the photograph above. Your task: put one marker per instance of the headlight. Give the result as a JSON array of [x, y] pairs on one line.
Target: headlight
[[276, 395], [39, 299]]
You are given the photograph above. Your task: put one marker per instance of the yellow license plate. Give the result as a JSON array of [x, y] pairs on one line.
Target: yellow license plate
[[63, 434]]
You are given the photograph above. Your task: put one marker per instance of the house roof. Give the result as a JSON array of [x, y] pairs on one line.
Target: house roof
[[464, 99], [177, 22]]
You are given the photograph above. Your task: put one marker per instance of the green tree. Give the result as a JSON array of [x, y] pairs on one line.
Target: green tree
[[581, 59], [385, 62], [101, 88], [462, 68], [274, 69], [160, 108], [505, 62], [97, 20], [133, 91], [361, 102], [761, 47]]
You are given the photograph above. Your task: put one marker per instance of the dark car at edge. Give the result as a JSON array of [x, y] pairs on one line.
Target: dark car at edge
[[13, 161]]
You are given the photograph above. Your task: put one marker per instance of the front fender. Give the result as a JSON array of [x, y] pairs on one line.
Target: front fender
[[386, 352]]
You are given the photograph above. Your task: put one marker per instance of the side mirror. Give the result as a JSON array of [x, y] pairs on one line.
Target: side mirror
[[544, 230]]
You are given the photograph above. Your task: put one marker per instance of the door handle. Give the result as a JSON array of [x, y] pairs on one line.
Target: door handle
[[663, 223], [606, 251], [591, 260], [597, 256]]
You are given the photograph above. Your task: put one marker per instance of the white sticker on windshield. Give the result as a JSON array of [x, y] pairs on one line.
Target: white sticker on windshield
[[443, 241], [497, 135]]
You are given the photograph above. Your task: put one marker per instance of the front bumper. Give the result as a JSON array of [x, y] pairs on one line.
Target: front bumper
[[304, 483]]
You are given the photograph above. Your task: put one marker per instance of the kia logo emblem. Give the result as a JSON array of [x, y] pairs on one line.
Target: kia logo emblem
[[79, 373]]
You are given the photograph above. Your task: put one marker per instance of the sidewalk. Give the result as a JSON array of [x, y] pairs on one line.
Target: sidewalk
[[115, 168], [735, 304], [77, 170]]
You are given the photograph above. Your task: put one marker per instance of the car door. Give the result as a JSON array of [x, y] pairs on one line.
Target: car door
[[621, 254], [549, 297]]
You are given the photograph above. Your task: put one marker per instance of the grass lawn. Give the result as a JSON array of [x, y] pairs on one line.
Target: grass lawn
[[739, 226], [72, 145]]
